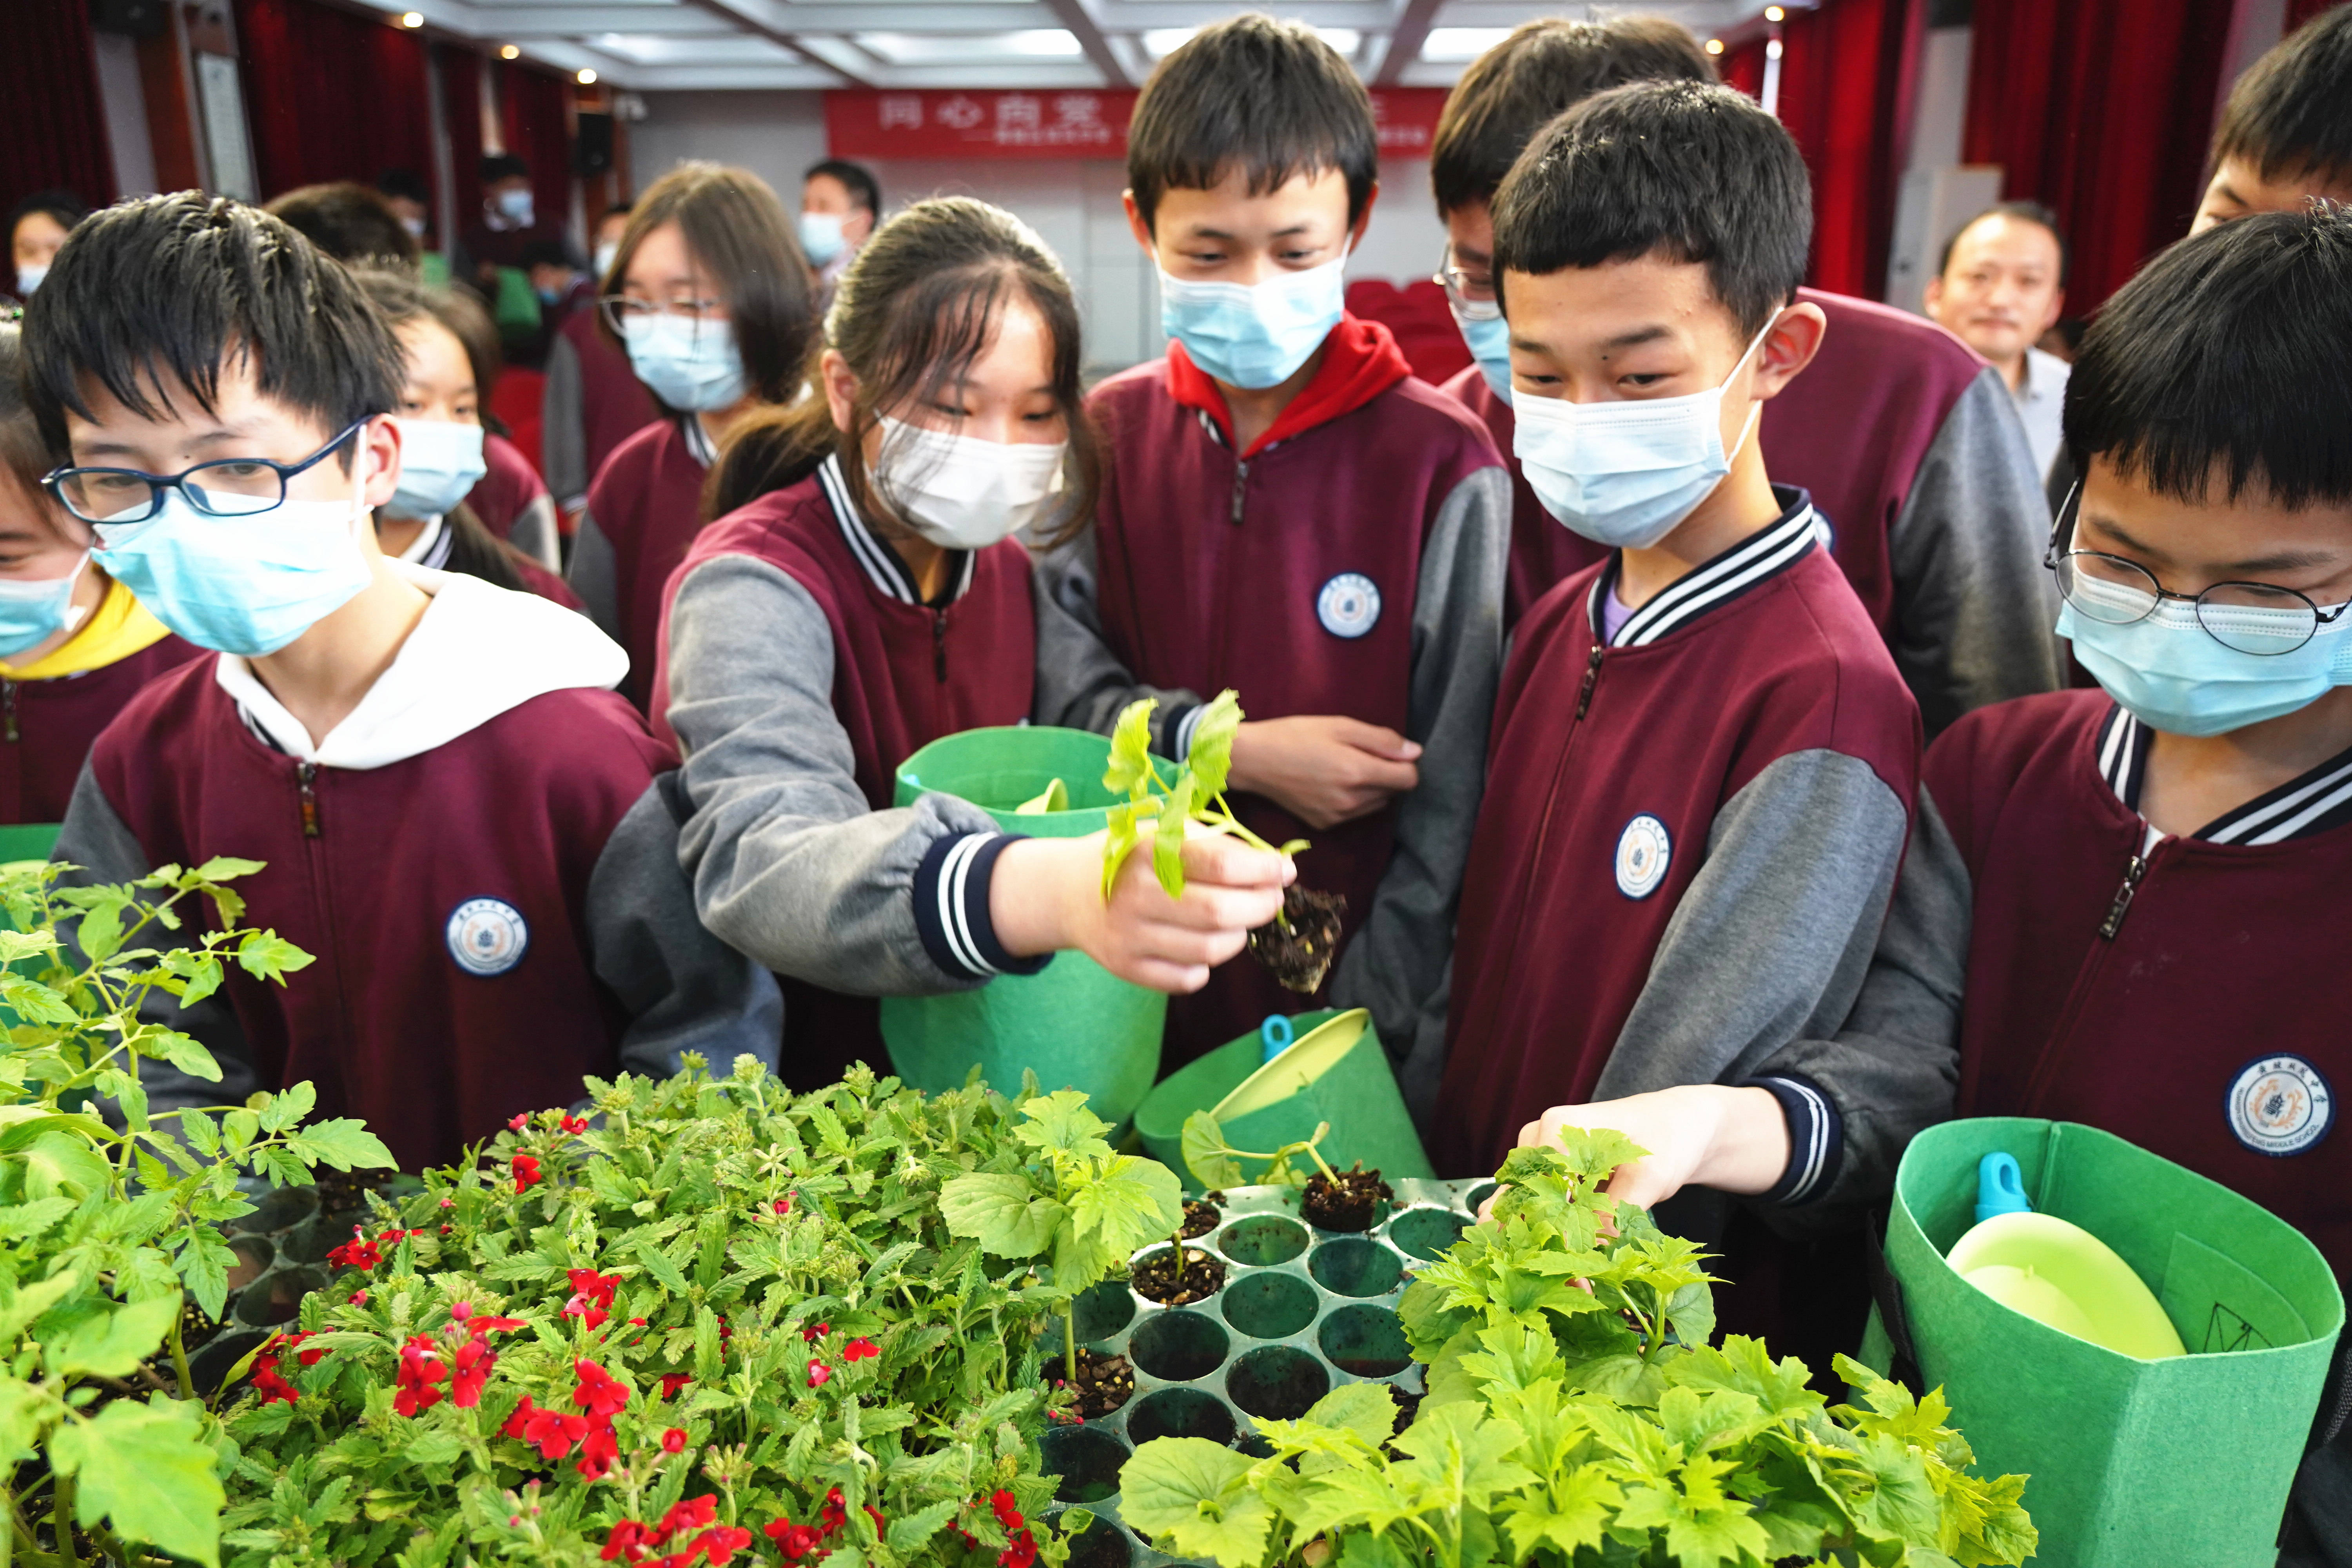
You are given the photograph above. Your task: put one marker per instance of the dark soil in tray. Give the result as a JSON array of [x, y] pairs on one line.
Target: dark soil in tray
[[1298, 946], [1105, 1382], [1200, 1219], [1353, 1204], [343, 1191], [1408, 1408], [1157, 1278]]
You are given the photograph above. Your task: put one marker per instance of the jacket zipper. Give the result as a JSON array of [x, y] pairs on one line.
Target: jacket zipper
[[940, 645], [304, 772], [2121, 907], [9, 702], [1241, 481], [1591, 680], [2086, 978]]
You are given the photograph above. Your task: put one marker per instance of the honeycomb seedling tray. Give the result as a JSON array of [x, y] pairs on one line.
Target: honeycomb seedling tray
[[1302, 1310]]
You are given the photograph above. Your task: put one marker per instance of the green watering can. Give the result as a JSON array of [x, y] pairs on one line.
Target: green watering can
[[1073, 1022]]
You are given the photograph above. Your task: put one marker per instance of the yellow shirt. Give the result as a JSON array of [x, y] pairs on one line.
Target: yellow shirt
[[118, 628]]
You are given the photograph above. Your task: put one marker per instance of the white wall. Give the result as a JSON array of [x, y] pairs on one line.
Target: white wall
[[126, 113]]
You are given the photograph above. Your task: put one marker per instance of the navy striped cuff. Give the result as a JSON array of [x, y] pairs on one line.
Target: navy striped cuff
[[951, 908], [1176, 728], [1816, 1138]]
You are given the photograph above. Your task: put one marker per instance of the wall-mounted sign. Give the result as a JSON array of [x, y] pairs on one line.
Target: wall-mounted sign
[[1052, 123]]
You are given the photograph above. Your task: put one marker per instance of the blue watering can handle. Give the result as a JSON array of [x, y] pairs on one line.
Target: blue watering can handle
[[1275, 1035], [2000, 1187]]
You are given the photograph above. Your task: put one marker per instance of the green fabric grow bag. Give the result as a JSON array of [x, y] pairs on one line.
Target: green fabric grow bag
[[1334, 1071], [2131, 1462], [28, 840], [1073, 1022]]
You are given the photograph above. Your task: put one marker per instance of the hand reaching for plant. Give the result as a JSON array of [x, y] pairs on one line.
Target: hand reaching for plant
[[1047, 894], [1700, 1134], [1321, 768]]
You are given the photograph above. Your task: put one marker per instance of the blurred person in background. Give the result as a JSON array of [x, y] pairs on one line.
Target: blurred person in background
[[355, 224], [593, 401], [840, 202], [2001, 285], [36, 229]]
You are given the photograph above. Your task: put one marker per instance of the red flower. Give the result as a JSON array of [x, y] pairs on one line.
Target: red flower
[[628, 1542], [674, 1441], [1007, 1515], [784, 1205], [597, 1452], [832, 1515], [526, 1172], [575, 1125], [819, 1374], [359, 1297], [420, 1368], [1021, 1553], [480, 1326], [816, 1331], [672, 1382], [597, 1287], [461, 1310], [522, 1119], [474, 1360], [719, 1544], [859, 1350], [691, 1514], [796, 1540], [875, 1515], [358, 1252], [599, 1393], [591, 1316], [552, 1431], [265, 1375]]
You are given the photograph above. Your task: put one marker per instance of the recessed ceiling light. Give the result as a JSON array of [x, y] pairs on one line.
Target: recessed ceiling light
[[1447, 45], [412, 18], [1775, 13], [1772, 48], [1715, 46], [509, 52], [587, 78]]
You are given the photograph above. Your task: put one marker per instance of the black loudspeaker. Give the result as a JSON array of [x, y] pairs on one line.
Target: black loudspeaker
[[138, 18], [592, 152]]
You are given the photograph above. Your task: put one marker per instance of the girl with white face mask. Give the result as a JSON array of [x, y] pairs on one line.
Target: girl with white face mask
[[866, 590]]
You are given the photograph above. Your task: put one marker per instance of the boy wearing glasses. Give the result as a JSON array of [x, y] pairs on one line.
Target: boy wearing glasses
[[461, 823]]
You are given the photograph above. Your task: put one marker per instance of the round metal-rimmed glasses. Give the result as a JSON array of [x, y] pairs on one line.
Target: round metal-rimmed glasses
[[1471, 293]]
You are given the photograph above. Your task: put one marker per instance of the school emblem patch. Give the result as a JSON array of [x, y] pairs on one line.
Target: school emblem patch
[[2280, 1105], [1644, 851], [1348, 605], [487, 936]]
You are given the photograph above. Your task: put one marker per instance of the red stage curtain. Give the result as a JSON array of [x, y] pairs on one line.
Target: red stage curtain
[[52, 124], [461, 112], [2100, 109], [331, 95], [1743, 68], [533, 114], [1847, 72]]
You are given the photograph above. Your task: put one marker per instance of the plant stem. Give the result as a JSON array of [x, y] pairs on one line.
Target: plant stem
[[61, 1496], [1070, 1342], [180, 1358]]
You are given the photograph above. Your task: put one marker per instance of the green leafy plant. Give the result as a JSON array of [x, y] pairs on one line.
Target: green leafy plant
[[1216, 1163], [1059, 1191], [718, 1320], [107, 1448], [1576, 1416], [1196, 795]]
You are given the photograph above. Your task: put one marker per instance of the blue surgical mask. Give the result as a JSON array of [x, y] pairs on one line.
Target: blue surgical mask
[[33, 612], [1489, 339], [28, 279], [1625, 474], [440, 460], [2170, 673], [246, 585], [690, 365], [821, 238], [1255, 335], [516, 207]]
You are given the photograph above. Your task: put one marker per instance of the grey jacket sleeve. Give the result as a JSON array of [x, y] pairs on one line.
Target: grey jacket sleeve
[[1974, 610], [563, 429], [95, 839], [535, 533], [1081, 684], [788, 864], [684, 989], [1894, 1065], [1398, 962], [595, 576]]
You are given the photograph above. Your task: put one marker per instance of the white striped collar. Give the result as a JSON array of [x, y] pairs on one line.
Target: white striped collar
[[875, 558], [2316, 802], [1749, 563], [699, 444]]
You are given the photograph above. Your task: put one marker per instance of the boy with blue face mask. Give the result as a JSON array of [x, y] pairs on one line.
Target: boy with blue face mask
[[1289, 514], [470, 833]]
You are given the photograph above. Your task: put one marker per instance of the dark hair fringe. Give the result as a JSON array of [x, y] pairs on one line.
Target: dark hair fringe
[[349, 222], [1543, 69], [2024, 212], [155, 298], [1270, 98], [2290, 112], [24, 456], [855, 178], [1691, 171], [2225, 356]]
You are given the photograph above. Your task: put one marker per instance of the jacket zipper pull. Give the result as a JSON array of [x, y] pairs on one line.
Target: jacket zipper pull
[[1591, 678], [8, 701], [304, 772], [1241, 479], [2122, 905], [940, 644]]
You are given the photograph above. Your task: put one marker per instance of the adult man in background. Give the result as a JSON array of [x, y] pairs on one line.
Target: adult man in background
[[2001, 285]]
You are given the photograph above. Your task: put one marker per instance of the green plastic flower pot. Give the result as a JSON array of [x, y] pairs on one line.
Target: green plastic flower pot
[[2133, 1459], [1335, 1071], [1075, 1024], [27, 841]]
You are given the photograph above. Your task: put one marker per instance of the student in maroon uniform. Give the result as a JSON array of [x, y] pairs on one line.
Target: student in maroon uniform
[[710, 298], [593, 401], [864, 597], [74, 645], [1704, 757], [473, 836], [1912, 453], [1289, 514]]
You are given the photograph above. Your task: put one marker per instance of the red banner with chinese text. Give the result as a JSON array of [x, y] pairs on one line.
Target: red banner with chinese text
[[1055, 123]]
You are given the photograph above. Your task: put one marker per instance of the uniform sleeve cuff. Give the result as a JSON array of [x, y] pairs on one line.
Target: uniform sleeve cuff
[[1176, 728], [1816, 1139], [951, 908]]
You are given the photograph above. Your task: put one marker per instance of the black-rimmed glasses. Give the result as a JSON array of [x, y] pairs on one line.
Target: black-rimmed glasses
[[228, 486], [2249, 617]]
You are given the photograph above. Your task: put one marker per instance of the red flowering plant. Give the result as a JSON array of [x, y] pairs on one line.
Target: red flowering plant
[[724, 1325]]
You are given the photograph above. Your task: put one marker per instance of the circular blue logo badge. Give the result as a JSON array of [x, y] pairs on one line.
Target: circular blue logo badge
[[1643, 852], [2280, 1105], [1348, 605], [487, 936]]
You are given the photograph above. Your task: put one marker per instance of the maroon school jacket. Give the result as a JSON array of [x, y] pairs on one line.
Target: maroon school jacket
[[522, 808], [613, 404], [2209, 1029], [1212, 568], [1851, 432], [1758, 655], [904, 674], [501, 495], [646, 500], [49, 725]]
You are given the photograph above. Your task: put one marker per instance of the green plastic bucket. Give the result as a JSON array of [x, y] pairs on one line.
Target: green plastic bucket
[[2131, 1462], [27, 841], [1073, 1022], [1334, 1071]]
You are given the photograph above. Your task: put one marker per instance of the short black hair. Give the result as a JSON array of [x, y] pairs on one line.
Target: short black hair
[[2024, 212], [155, 297], [497, 166], [546, 253], [2290, 112], [65, 206], [405, 185], [347, 221], [1270, 98], [2226, 353], [855, 178], [1513, 90], [1688, 170]]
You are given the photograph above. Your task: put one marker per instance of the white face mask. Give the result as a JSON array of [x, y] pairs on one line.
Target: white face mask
[[414, 226], [28, 279], [960, 492], [606, 254]]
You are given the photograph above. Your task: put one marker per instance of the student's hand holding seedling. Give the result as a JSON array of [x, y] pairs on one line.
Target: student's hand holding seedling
[[1735, 1139], [1048, 894], [1323, 768]]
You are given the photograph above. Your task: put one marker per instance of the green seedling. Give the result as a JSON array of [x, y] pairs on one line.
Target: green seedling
[[1196, 795], [1214, 1162]]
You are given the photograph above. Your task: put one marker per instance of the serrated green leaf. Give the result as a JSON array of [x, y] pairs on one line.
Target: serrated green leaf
[[33, 1001], [1061, 1121], [1132, 1201], [343, 1142], [1212, 754], [1118, 842], [1129, 771], [1192, 1497], [1206, 1154], [288, 1107], [1004, 1213], [1168, 835], [101, 932], [61, 1162], [113, 1344], [266, 956], [145, 1469]]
